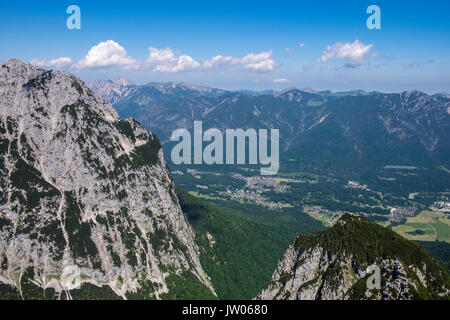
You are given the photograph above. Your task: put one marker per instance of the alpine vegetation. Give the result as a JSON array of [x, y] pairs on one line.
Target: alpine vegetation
[[356, 259]]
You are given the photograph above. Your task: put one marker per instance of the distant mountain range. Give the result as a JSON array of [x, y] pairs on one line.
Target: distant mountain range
[[119, 88], [355, 128], [88, 194]]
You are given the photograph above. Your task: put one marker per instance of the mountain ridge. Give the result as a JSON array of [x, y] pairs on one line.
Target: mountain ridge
[[319, 129], [124, 82], [82, 188], [333, 264]]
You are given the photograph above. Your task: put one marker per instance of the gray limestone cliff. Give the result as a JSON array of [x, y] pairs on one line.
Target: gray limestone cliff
[[81, 188]]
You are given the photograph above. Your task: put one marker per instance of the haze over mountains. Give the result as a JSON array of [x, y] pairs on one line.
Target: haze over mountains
[[316, 128]]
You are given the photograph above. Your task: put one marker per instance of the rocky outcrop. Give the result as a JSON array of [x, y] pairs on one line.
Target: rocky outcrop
[[333, 265], [81, 188]]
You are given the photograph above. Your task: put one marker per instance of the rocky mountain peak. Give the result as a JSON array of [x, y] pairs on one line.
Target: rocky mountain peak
[[54, 89], [334, 265], [16, 71], [81, 188]]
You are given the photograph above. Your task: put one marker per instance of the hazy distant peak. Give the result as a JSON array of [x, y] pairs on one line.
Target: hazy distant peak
[[279, 93], [309, 90], [407, 95], [121, 81], [441, 95]]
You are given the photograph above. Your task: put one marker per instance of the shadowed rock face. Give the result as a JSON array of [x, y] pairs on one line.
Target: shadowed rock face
[[81, 187], [332, 265]]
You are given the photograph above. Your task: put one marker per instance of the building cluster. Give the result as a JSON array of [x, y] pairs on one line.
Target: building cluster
[[399, 214], [262, 184], [316, 209], [254, 197], [441, 206], [356, 185]]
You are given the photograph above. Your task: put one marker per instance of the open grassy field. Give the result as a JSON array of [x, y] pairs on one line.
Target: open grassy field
[[427, 226]]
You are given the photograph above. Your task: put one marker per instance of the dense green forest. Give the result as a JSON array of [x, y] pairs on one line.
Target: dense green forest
[[245, 248], [440, 250]]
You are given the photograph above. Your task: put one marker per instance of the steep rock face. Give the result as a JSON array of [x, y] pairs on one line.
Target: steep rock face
[[81, 187], [332, 265]]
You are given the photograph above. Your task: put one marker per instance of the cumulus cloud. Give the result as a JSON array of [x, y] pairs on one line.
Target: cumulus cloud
[[220, 62], [107, 54], [354, 53], [165, 60], [55, 63], [281, 80], [111, 54], [261, 62], [302, 45]]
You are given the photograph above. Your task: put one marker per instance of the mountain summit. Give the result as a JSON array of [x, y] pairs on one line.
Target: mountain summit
[[333, 265], [82, 189]]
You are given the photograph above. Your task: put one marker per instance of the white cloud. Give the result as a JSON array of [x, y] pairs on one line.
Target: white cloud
[[165, 60], [261, 62], [110, 53], [354, 53], [220, 62], [281, 80], [107, 54], [302, 45], [55, 63]]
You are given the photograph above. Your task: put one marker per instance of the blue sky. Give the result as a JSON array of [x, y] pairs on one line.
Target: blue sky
[[238, 44]]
